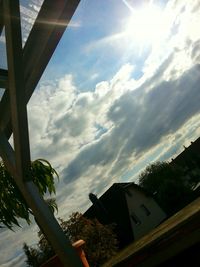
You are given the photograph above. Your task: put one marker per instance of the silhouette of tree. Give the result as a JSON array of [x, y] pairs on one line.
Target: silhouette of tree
[[31, 256], [168, 184]]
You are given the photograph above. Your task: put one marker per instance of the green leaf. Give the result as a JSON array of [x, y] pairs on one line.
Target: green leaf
[[12, 203]]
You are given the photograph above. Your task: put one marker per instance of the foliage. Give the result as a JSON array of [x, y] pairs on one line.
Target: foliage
[[101, 242], [12, 204], [168, 184], [31, 255]]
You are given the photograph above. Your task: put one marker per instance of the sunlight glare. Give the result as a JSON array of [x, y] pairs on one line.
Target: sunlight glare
[[145, 25]]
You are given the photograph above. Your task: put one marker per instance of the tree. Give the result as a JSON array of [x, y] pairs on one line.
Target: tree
[[12, 204], [168, 184], [31, 255], [101, 242]]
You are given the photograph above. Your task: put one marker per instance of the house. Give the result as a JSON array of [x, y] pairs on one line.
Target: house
[[133, 211], [175, 243]]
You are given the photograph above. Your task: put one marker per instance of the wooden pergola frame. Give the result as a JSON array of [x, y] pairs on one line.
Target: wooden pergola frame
[[25, 68]]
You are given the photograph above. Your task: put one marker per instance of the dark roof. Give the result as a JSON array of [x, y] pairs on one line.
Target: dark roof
[[124, 184], [135, 186], [122, 187], [188, 153]]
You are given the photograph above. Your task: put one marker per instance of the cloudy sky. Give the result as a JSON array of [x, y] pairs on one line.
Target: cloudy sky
[[121, 91]]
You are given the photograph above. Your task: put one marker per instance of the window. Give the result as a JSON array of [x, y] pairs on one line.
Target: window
[[135, 219], [145, 210]]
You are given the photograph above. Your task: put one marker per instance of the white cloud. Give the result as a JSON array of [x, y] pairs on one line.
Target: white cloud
[[110, 40], [94, 76], [109, 134], [63, 120], [2, 39], [183, 18], [101, 133], [11, 249], [18, 261], [28, 15]]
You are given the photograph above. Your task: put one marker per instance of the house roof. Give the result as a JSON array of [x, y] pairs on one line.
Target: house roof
[[193, 150], [122, 187], [112, 207], [133, 185]]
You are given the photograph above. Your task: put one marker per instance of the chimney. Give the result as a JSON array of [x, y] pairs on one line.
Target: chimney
[[101, 212]]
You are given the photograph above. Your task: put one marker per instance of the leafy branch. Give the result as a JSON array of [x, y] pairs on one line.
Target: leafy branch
[[12, 204]]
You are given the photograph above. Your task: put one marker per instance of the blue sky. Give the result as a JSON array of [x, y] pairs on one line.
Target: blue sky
[[121, 91]]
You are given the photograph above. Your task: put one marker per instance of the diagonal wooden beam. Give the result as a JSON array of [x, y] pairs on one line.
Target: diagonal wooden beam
[[18, 161], [42, 213], [46, 33]]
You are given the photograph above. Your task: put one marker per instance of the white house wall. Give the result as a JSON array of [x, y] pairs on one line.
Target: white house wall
[[135, 198]]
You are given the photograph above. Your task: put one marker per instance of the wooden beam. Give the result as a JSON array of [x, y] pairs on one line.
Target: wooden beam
[[41, 211], [45, 35], [16, 86], [18, 161], [50, 24], [5, 119], [1, 17], [3, 78], [7, 154]]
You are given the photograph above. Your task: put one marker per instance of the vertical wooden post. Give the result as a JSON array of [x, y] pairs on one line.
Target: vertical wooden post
[[18, 160]]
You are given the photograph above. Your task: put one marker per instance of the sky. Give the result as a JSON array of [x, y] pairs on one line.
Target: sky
[[121, 91]]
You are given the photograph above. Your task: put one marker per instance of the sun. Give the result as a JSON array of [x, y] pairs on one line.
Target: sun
[[145, 25]]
